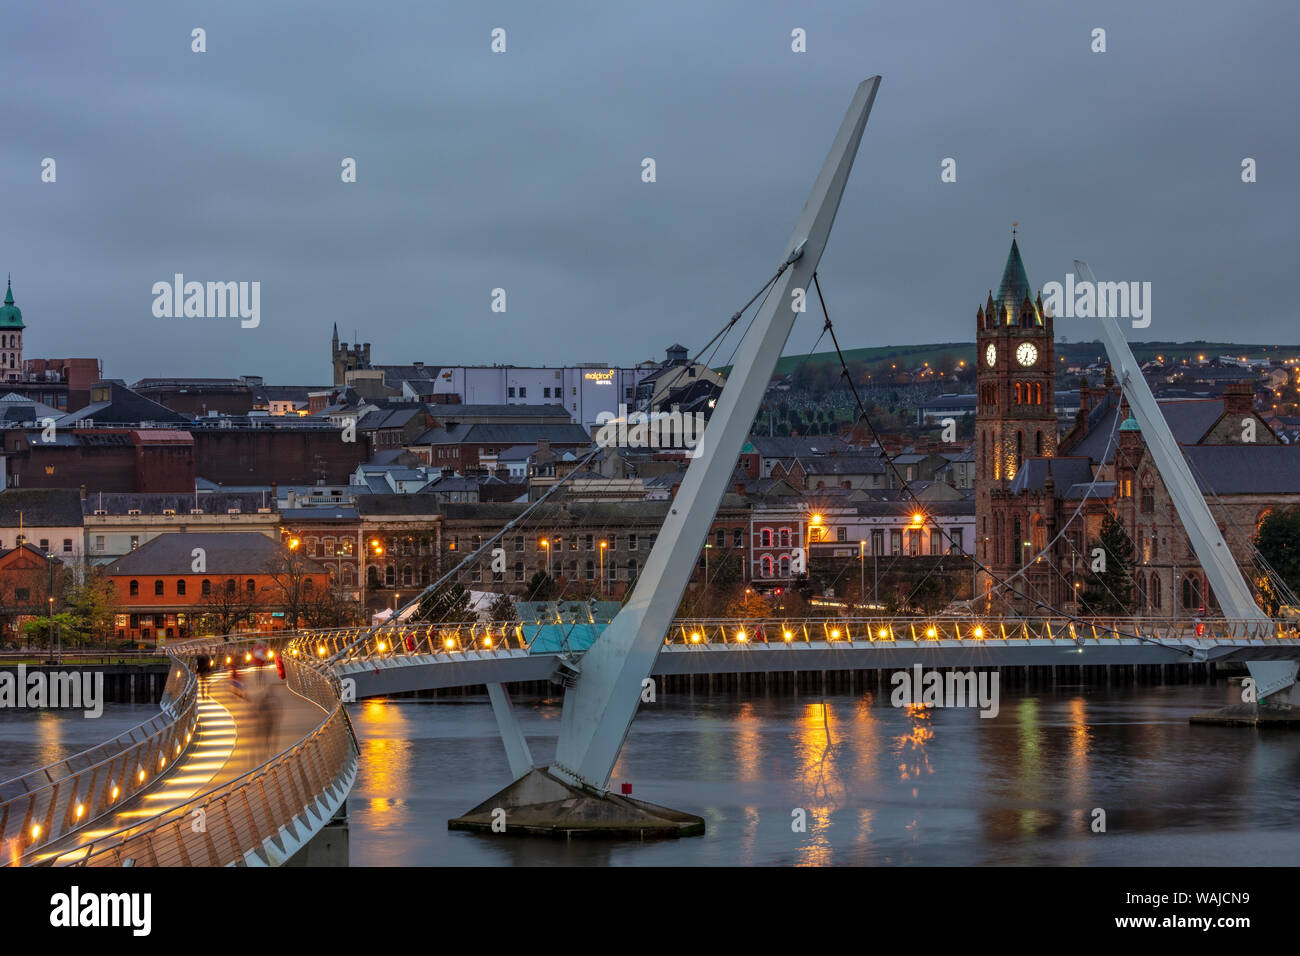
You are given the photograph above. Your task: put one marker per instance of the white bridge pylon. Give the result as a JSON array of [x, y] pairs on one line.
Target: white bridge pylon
[[600, 704], [1230, 587]]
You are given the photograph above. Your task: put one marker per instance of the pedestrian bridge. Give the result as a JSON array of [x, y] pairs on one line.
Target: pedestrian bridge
[[221, 776], [401, 658], [204, 783]]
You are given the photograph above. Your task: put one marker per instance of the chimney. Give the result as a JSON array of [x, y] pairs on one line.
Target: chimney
[[83, 492], [1238, 398]]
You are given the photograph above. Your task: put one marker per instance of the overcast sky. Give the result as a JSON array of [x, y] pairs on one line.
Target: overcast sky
[[522, 171]]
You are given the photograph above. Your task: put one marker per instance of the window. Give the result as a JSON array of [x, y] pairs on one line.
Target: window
[[877, 542], [1148, 495], [737, 538], [205, 588], [67, 545], [158, 588], [765, 566], [914, 543], [510, 392], [476, 574], [22, 594], [841, 533], [390, 576], [955, 535], [519, 570], [632, 568], [99, 542], [631, 545], [1155, 591], [523, 392], [765, 536], [230, 585], [519, 542], [720, 538], [180, 588], [546, 393], [896, 542], [134, 588], [936, 542], [591, 571], [251, 587]]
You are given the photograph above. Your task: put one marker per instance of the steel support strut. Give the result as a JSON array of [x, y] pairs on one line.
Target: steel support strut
[[599, 708], [1230, 587]]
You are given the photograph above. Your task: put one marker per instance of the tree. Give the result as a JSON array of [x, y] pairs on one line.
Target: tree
[[226, 606], [326, 607], [541, 587], [503, 609], [447, 602], [1108, 587], [750, 604], [93, 605], [293, 581], [1278, 541]]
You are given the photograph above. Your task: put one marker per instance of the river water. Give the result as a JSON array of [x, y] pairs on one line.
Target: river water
[[876, 784]]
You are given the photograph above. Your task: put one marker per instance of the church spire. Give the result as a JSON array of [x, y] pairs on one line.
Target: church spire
[[1014, 287], [9, 291]]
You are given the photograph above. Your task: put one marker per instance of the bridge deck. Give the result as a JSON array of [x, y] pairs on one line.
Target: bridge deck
[[231, 739]]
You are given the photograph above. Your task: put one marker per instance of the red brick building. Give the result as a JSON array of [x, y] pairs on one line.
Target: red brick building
[[178, 585]]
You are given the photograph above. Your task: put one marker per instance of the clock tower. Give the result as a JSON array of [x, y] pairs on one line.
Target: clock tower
[[1015, 405]]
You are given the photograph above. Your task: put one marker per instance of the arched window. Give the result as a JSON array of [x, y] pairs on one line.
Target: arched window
[[1038, 393], [765, 566], [1148, 494], [372, 576], [134, 588], [230, 585], [205, 588], [251, 586], [180, 588], [1020, 451], [158, 588], [785, 537], [408, 576], [785, 565], [1140, 588], [1155, 590], [1019, 394], [1038, 443], [349, 576]]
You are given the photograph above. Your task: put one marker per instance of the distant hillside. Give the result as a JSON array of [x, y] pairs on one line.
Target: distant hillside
[[913, 356]]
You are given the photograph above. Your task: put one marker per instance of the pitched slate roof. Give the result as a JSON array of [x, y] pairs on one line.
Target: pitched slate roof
[[505, 435], [1065, 472], [1245, 469], [40, 507], [228, 552]]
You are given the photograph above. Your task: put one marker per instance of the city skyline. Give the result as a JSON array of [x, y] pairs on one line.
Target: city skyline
[[479, 170]]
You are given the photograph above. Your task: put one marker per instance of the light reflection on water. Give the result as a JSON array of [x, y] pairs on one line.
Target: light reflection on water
[[878, 785]]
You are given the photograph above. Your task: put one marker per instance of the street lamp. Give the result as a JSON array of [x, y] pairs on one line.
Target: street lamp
[[545, 543], [862, 568], [603, 546]]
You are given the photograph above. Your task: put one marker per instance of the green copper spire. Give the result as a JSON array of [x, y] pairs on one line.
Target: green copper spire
[[11, 317]]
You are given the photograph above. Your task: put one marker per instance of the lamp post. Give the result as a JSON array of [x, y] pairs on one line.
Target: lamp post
[[545, 543], [862, 568], [603, 546]]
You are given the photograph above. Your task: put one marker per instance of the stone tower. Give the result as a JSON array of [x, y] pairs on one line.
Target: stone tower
[[1015, 408], [11, 338], [347, 358]]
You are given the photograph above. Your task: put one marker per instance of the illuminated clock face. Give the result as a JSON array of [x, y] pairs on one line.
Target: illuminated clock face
[[991, 355], [1026, 354]]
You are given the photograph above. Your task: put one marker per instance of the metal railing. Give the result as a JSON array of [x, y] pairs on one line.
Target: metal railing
[[45, 805], [351, 644], [240, 815]]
